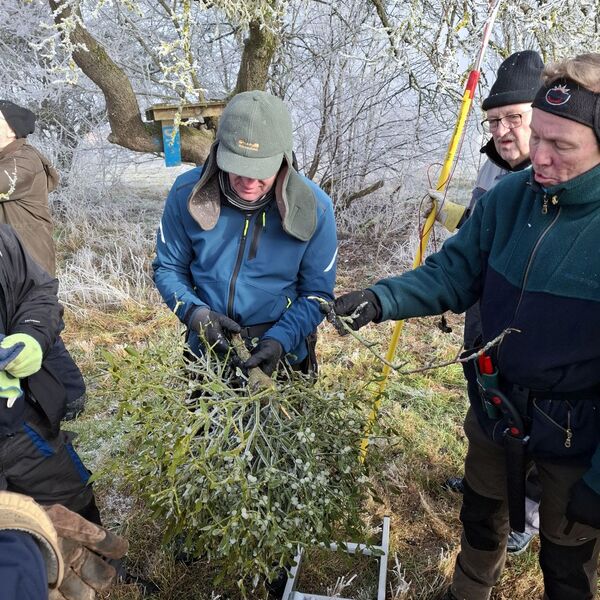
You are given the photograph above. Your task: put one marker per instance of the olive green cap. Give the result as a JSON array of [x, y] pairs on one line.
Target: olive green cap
[[254, 135]]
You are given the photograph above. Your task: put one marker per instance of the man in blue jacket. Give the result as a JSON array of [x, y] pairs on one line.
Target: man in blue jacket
[[529, 254], [245, 241]]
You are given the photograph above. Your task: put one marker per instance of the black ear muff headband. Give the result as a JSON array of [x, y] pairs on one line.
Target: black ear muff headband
[[569, 100]]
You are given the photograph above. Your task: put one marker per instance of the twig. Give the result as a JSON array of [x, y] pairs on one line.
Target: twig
[[342, 327], [497, 340], [340, 585], [341, 324]]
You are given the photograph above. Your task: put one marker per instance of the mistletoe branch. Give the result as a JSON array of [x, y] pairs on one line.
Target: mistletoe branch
[[343, 327]]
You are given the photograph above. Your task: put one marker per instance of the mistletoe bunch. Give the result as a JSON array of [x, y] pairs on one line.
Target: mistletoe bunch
[[240, 476]]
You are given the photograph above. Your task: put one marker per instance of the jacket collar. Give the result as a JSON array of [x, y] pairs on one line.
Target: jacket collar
[[12, 147], [583, 189], [489, 149]]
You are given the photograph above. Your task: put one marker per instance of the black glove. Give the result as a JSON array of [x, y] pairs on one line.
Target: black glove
[[265, 355], [584, 505], [363, 306], [214, 328]]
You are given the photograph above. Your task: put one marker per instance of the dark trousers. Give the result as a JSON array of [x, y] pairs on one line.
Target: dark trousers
[[568, 556], [45, 468]]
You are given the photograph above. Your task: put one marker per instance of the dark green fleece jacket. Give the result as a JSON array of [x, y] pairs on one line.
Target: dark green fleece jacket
[[532, 258]]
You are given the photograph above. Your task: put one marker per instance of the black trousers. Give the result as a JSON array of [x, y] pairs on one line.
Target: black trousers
[[47, 469]]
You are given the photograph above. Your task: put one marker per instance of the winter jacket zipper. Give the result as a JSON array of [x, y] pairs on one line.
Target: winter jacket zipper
[[258, 229], [238, 264], [531, 257], [530, 262]]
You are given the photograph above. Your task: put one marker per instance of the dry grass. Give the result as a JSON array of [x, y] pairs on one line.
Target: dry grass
[[423, 445]]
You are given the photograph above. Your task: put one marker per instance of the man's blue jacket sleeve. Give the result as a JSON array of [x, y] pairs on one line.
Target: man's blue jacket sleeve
[[174, 254], [316, 277]]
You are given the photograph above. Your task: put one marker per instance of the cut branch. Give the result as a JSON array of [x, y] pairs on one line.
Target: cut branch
[[343, 325]]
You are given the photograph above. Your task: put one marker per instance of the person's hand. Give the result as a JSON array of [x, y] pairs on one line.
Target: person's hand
[[361, 307], [584, 505], [215, 328], [10, 387], [448, 214], [84, 546], [266, 355], [28, 360]]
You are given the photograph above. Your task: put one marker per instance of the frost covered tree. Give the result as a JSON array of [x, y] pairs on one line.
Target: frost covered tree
[[373, 84]]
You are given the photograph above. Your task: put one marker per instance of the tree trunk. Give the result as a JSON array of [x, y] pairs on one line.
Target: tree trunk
[[127, 128], [259, 49]]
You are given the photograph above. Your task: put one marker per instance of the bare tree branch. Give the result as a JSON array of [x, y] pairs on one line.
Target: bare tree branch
[[127, 128], [346, 201], [385, 21]]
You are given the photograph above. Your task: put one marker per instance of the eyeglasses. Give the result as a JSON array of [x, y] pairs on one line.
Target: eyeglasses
[[509, 121]]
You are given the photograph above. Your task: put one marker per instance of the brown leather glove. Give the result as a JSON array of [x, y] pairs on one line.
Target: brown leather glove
[[83, 546]]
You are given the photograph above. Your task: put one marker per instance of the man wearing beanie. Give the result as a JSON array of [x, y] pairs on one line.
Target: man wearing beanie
[[245, 241], [26, 177], [508, 109], [529, 255], [509, 112]]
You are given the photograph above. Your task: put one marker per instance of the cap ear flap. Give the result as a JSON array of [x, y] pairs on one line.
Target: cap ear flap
[[204, 203], [296, 202]]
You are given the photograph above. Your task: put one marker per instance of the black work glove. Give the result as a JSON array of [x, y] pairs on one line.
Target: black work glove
[[214, 328], [584, 505], [362, 306], [265, 355]]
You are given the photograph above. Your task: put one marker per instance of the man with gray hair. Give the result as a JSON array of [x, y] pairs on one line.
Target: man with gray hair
[[246, 240], [508, 116], [529, 254]]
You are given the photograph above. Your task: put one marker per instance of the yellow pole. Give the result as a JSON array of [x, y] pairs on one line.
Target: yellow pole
[[465, 107]]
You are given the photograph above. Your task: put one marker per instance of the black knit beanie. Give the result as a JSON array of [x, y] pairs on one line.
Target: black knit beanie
[[20, 120], [519, 78]]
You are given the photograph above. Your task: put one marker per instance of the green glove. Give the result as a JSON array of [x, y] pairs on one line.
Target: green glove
[[29, 360], [448, 214]]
